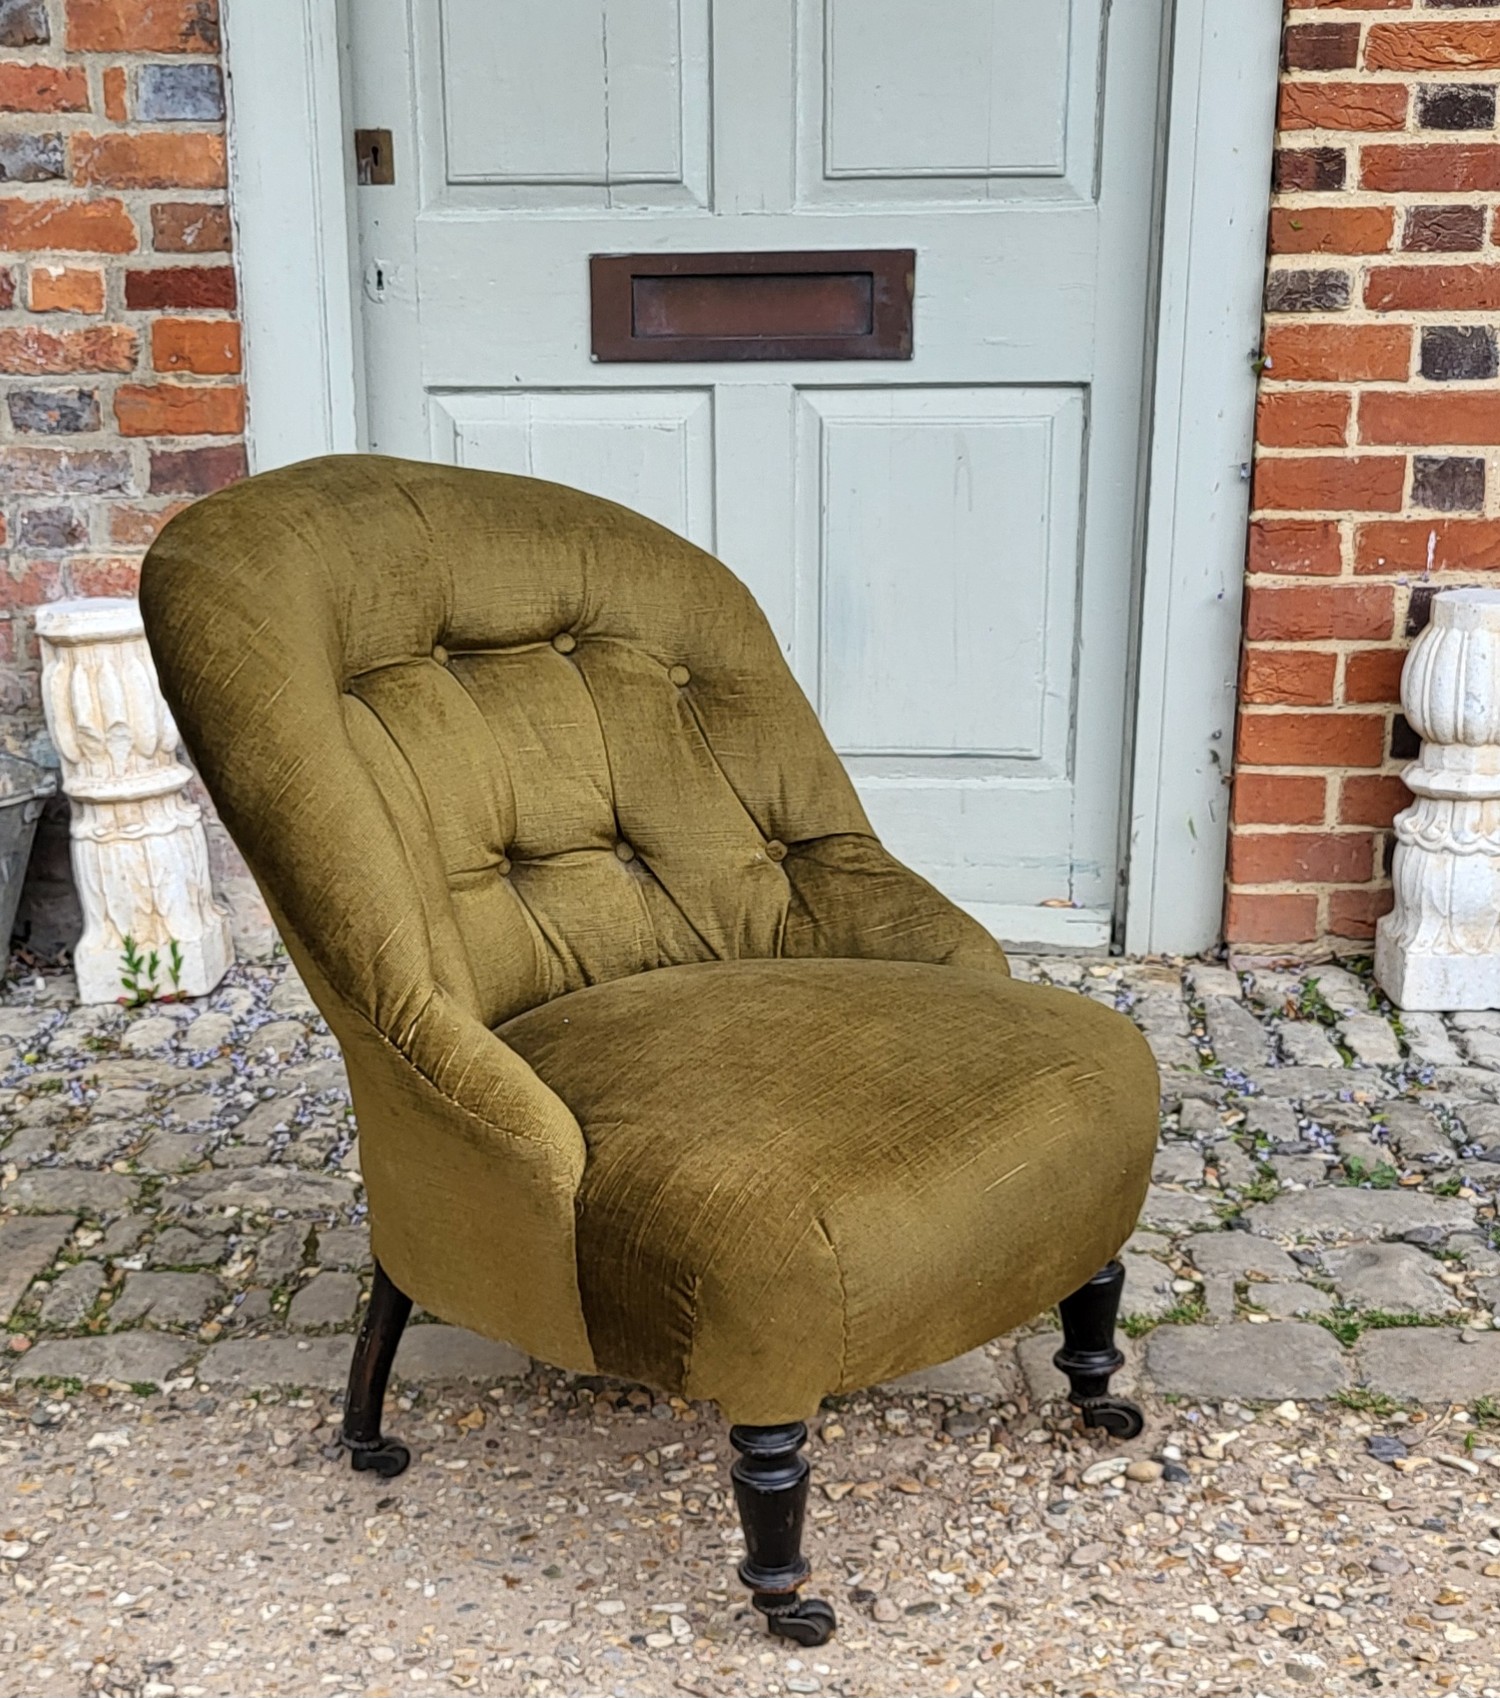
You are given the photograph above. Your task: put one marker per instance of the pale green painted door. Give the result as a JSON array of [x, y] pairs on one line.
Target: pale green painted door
[[945, 545]]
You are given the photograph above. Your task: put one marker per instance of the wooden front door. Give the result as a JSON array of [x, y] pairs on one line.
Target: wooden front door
[[945, 544]]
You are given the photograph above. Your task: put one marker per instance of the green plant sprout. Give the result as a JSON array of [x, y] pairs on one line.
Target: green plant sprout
[[141, 974]]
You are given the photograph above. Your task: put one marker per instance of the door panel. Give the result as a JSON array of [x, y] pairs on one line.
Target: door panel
[[944, 545], [651, 450], [566, 102], [937, 102]]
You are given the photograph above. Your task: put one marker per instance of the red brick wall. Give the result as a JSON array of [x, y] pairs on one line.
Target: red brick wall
[[1376, 475], [120, 397], [119, 349]]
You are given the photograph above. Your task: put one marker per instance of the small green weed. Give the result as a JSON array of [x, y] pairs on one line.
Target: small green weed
[[141, 974]]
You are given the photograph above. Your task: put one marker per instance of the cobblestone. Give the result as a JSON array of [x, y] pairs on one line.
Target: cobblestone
[[203, 1158], [1277, 1360], [1396, 1279]]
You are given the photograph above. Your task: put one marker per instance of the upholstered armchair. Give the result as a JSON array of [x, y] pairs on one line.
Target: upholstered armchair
[[663, 1067]]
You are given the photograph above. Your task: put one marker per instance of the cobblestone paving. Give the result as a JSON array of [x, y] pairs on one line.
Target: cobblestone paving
[[180, 1187], [183, 1255]]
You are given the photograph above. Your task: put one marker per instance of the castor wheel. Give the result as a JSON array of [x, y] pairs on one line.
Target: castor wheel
[[1118, 1416], [385, 1457], [805, 1621]]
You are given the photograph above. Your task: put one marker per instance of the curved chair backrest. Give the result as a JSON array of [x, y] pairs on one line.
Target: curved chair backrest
[[484, 732]]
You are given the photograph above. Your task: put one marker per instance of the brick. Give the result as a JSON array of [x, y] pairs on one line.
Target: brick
[[28, 351], [28, 583], [1367, 799], [1250, 917], [1266, 798], [1288, 677], [165, 159], [53, 412], [1312, 739], [207, 346], [1302, 418], [1339, 353], [66, 226], [24, 23], [51, 528], [1309, 169], [1459, 353], [7, 288], [139, 527], [1300, 613], [1307, 547], [1443, 229], [1430, 418], [1428, 545], [115, 86], [1320, 290], [1331, 229], [29, 156], [1331, 483], [1342, 106], [1419, 606], [1456, 106], [143, 26], [197, 471], [1373, 675], [76, 471], [43, 88], [1320, 47], [190, 227], [1353, 913], [66, 288], [1301, 857], [1447, 483], [1449, 45], [175, 409], [1433, 288], [1430, 167], [106, 575], [181, 286], [192, 93]]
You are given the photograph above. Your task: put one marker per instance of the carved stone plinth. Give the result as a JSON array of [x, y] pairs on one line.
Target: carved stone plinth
[[1440, 948], [140, 858]]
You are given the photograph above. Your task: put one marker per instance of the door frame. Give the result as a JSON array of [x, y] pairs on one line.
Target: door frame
[[292, 197]]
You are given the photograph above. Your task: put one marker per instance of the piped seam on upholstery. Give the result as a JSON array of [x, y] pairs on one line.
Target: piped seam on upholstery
[[687, 1361], [838, 1271]]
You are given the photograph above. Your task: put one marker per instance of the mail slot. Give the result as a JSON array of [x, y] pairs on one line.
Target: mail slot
[[753, 306]]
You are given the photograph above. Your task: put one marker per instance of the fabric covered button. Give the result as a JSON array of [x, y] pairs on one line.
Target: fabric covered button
[[775, 850], [624, 852], [680, 676], [565, 642], [440, 654], [502, 866]]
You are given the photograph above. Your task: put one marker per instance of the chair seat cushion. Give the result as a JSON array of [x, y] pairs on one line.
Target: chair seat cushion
[[808, 1176]]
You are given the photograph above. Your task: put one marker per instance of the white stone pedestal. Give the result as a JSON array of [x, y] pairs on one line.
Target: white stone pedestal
[[140, 858], [1440, 947]]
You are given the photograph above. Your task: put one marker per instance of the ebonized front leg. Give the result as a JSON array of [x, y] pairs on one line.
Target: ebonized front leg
[[369, 1373], [771, 1477], [1089, 1355]]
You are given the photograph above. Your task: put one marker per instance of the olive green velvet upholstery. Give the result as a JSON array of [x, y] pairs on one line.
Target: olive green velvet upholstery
[[662, 1065]]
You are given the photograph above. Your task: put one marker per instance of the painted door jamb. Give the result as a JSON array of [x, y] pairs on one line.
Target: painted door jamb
[[296, 247]]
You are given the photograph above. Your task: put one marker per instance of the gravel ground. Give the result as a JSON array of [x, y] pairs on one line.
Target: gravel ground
[[553, 1537], [183, 1255]]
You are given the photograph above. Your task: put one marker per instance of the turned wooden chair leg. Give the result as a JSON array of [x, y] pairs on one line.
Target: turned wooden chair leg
[[369, 1373], [771, 1478], [1089, 1355]]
